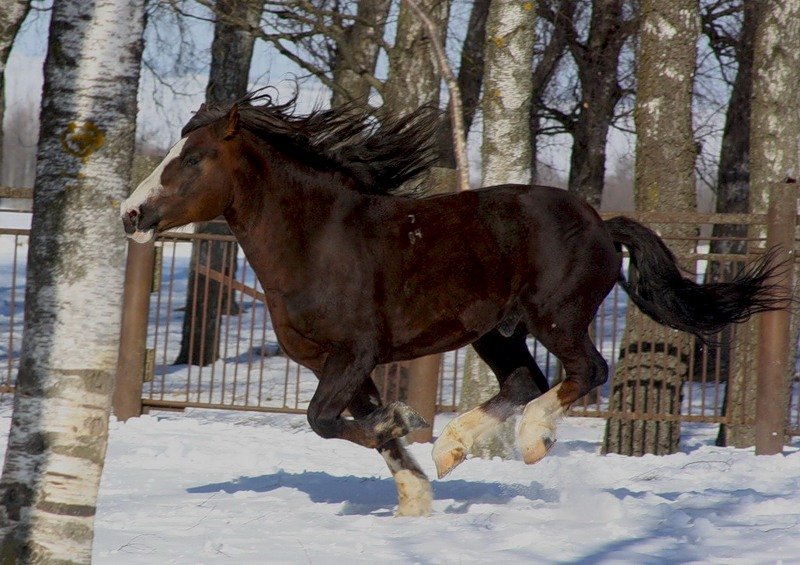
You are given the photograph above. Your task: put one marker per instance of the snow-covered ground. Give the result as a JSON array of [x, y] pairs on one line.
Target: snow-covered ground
[[221, 487]]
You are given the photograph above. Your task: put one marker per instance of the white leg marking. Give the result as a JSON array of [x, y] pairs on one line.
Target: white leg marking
[[414, 493], [458, 437], [537, 430]]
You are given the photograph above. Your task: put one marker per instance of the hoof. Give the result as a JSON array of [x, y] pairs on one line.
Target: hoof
[[414, 494], [448, 453], [535, 441]]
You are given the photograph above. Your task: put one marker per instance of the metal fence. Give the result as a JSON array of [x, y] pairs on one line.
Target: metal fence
[[252, 374]]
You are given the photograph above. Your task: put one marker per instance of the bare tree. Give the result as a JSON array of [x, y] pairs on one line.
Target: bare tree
[[356, 53], [654, 359], [414, 78], [546, 64], [585, 97], [12, 14], [22, 133], [774, 135], [59, 428], [732, 46], [597, 61], [231, 55], [470, 80]]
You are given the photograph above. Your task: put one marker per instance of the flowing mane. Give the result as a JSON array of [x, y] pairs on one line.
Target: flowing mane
[[380, 156]]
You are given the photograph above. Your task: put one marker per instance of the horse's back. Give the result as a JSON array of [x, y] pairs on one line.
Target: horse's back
[[463, 261]]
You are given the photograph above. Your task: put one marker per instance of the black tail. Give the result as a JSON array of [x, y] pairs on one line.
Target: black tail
[[658, 288]]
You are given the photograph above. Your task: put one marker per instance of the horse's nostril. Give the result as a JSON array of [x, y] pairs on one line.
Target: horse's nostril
[[132, 214]]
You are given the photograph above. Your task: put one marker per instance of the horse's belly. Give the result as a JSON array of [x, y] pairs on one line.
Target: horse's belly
[[428, 333]]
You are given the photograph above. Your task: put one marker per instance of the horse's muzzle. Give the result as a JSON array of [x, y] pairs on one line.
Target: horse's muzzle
[[136, 226], [130, 221]]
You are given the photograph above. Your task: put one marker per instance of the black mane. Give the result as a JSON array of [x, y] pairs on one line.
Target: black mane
[[380, 156]]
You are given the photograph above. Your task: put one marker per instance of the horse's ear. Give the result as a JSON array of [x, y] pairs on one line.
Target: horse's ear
[[202, 108], [233, 122]]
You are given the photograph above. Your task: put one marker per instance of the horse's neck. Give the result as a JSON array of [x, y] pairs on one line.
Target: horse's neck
[[279, 211]]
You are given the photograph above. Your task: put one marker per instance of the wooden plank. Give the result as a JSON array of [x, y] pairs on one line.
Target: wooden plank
[[11, 192], [233, 283]]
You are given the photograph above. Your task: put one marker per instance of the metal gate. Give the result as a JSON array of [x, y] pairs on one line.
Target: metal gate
[[252, 374]]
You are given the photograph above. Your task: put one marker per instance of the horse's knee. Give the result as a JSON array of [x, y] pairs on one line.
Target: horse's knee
[[599, 370], [324, 427]]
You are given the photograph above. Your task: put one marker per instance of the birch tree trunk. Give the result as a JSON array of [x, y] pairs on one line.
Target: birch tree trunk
[[774, 136], [505, 158], [654, 359], [231, 54], [12, 14], [59, 427]]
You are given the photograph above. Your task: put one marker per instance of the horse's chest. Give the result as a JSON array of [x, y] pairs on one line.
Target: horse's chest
[[308, 326], [295, 335]]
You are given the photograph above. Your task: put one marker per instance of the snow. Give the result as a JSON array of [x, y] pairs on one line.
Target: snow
[[223, 487]]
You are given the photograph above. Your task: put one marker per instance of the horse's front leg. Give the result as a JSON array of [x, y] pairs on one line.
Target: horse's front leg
[[341, 378], [414, 493]]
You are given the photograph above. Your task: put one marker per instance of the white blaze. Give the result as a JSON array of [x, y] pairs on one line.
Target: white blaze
[[148, 188]]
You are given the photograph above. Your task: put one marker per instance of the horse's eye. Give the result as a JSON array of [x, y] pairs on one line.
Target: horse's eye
[[190, 160]]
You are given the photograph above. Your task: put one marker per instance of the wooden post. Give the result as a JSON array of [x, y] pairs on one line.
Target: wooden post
[[774, 341], [133, 336], [423, 384]]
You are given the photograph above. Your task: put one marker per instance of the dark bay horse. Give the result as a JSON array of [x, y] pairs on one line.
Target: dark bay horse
[[358, 273]]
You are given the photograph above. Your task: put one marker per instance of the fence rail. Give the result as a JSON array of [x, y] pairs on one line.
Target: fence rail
[[250, 372]]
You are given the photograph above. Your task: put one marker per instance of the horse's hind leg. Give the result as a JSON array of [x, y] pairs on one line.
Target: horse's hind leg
[[414, 494], [520, 380], [585, 369]]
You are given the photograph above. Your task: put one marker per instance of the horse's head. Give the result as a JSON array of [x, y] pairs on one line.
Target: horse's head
[[190, 185]]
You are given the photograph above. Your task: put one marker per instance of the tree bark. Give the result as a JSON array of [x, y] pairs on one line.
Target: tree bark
[[59, 428], [232, 50], [357, 54], [733, 184], [597, 61], [470, 80], [231, 54], [654, 359], [774, 134], [506, 158], [414, 77], [12, 14]]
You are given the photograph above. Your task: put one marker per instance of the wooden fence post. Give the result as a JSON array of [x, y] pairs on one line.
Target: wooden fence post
[[133, 335], [775, 334]]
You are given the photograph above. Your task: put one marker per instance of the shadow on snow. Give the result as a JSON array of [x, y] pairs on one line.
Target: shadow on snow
[[367, 495]]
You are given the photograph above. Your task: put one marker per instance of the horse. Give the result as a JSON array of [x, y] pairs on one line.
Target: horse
[[360, 268]]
